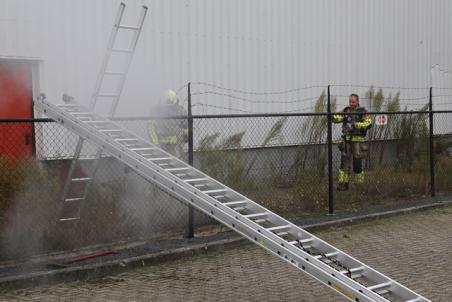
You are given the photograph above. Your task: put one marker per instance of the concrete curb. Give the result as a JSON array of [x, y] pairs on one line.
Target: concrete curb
[[84, 272], [369, 217]]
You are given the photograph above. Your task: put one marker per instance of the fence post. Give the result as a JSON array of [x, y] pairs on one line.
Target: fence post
[[330, 155], [431, 143], [190, 230]]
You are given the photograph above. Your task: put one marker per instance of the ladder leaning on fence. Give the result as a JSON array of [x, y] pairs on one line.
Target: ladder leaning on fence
[[78, 180], [341, 272]]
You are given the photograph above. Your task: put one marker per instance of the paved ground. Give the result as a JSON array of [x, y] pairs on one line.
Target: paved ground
[[414, 249]]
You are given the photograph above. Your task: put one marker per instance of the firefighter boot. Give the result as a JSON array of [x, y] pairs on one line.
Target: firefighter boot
[[343, 181]]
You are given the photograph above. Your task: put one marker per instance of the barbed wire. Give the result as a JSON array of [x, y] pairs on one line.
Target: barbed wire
[[440, 69], [309, 87], [301, 110], [254, 101], [418, 104], [401, 99], [180, 89], [441, 95], [260, 93], [375, 86], [448, 103], [220, 107]]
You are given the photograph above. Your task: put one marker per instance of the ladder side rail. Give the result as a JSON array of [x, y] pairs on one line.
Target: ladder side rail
[[72, 167], [93, 171], [107, 55], [217, 204], [128, 62]]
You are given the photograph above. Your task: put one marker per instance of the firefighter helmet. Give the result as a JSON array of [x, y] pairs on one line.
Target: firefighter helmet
[[170, 96]]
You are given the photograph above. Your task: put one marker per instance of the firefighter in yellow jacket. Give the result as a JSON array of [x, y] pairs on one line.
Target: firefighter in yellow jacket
[[355, 123], [168, 133]]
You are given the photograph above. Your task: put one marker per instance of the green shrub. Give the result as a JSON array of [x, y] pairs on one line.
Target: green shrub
[[28, 207]]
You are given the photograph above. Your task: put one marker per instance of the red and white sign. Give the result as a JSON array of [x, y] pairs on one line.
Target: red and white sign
[[381, 119]]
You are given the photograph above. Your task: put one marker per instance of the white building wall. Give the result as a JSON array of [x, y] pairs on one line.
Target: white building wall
[[272, 50], [251, 45]]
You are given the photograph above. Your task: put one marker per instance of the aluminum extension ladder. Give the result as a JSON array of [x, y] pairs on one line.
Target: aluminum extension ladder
[[339, 271], [77, 183]]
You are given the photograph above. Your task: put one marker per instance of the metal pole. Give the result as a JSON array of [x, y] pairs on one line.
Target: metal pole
[[330, 157], [432, 149], [190, 230]]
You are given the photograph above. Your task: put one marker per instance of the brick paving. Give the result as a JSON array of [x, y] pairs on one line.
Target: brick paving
[[415, 249]]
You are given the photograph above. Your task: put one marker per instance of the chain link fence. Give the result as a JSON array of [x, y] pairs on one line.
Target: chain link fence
[[120, 205], [279, 161]]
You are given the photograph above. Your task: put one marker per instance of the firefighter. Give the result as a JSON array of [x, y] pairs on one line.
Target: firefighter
[[355, 123], [169, 134]]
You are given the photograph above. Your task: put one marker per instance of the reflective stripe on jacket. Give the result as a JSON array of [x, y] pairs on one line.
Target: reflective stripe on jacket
[[354, 124], [166, 130]]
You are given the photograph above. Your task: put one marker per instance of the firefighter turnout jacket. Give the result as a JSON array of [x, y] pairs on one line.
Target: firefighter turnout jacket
[[167, 130], [355, 123]]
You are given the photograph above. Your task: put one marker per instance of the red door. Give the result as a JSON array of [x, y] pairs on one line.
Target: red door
[[16, 139]]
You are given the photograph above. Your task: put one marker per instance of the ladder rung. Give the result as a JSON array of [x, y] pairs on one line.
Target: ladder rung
[[218, 196], [332, 254], [67, 105], [142, 149], [97, 122], [195, 179], [233, 203], [81, 113], [107, 95], [125, 139], [305, 240], [356, 269], [260, 220], [379, 286], [282, 233], [256, 215], [414, 300], [158, 158], [238, 208], [280, 227], [74, 199], [176, 169], [110, 130], [81, 179], [317, 256], [122, 50], [69, 219], [129, 27], [215, 191]]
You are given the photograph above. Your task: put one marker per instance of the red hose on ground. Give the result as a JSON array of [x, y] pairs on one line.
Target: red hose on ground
[[89, 256]]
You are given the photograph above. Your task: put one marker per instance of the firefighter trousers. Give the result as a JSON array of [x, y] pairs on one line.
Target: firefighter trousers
[[352, 154]]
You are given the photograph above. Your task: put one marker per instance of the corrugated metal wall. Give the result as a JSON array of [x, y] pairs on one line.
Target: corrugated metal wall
[[259, 46]]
